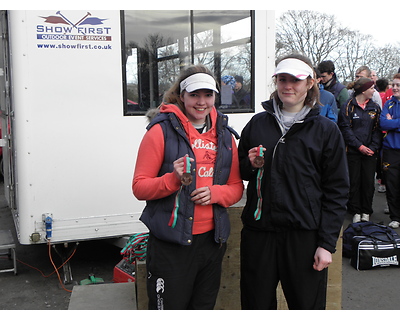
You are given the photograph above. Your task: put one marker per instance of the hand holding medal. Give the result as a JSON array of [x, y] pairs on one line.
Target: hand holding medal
[[186, 178], [259, 159]]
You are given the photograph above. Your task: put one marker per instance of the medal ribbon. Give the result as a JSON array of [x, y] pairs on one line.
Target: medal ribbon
[[260, 152], [174, 215], [186, 165], [257, 213]]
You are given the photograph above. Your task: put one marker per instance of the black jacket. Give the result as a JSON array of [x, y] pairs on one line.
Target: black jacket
[[305, 182], [360, 126]]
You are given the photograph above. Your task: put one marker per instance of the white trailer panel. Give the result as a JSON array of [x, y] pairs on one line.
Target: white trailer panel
[[72, 150]]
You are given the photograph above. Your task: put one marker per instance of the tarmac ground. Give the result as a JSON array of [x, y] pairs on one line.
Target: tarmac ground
[[37, 287], [375, 289]]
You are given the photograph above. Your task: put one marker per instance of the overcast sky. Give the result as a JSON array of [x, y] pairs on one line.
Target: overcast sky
[[376, 21], [377, 18]]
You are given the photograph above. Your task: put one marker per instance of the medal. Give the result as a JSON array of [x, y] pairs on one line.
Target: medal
[[186, 178], [259, 160]]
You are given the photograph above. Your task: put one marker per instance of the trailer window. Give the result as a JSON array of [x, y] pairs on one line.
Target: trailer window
[[158, 44]]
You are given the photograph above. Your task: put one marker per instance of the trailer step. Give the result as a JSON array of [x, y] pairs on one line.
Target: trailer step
[[104, 296], [7, 244]]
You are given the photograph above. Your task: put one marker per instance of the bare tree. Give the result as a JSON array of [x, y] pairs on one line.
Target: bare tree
[[311, 33], [320, 37], [386, 61], [354, 52]]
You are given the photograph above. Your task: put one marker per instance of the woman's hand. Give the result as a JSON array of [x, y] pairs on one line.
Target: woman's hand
[[201, 196], [253, 153], [366, 151], [179, 166]]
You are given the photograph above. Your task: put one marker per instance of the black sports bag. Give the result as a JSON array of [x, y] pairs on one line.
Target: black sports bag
[[371, 245]]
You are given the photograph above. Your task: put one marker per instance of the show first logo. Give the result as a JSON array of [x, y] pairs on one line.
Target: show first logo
[[60, 27]]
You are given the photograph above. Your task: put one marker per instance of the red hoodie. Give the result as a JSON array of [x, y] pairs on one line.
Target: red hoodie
[[147, 186]]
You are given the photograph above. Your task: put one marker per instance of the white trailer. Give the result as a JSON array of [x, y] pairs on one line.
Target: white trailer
[[69, 148]]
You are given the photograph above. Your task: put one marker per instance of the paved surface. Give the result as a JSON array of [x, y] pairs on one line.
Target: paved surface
[[376, 289], [28, 290], [123, 297]]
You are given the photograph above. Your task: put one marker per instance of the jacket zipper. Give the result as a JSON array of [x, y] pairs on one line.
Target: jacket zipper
[[283, 137]]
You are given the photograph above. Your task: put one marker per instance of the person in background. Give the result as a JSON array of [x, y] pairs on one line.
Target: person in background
[[187, 171], [295, 162], [327, 99], [374, 77], [381, 85], [359, 124], [390, 122], [241, 94], [331, 84], [228, 99], [365, 72], [388, 93]]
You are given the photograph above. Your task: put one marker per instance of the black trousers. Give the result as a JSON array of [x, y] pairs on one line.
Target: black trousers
[[379, 173], [391, 171], [184, 277], [288, 257], [362, 183]]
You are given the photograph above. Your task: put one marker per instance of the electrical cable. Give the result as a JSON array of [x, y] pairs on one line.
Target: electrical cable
[[54, 266]]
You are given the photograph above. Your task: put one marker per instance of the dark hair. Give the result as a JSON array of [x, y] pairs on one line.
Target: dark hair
[[350, 85], [382, 84], [239, 79], [362, 85], [312, 98], [173, 94], [326, 66], [317, 73]]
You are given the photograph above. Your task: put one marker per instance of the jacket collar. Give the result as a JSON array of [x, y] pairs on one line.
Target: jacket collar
[[269, 107]]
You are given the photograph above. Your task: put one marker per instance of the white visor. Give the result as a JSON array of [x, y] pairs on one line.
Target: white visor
[[198, 81], [294, 67]]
